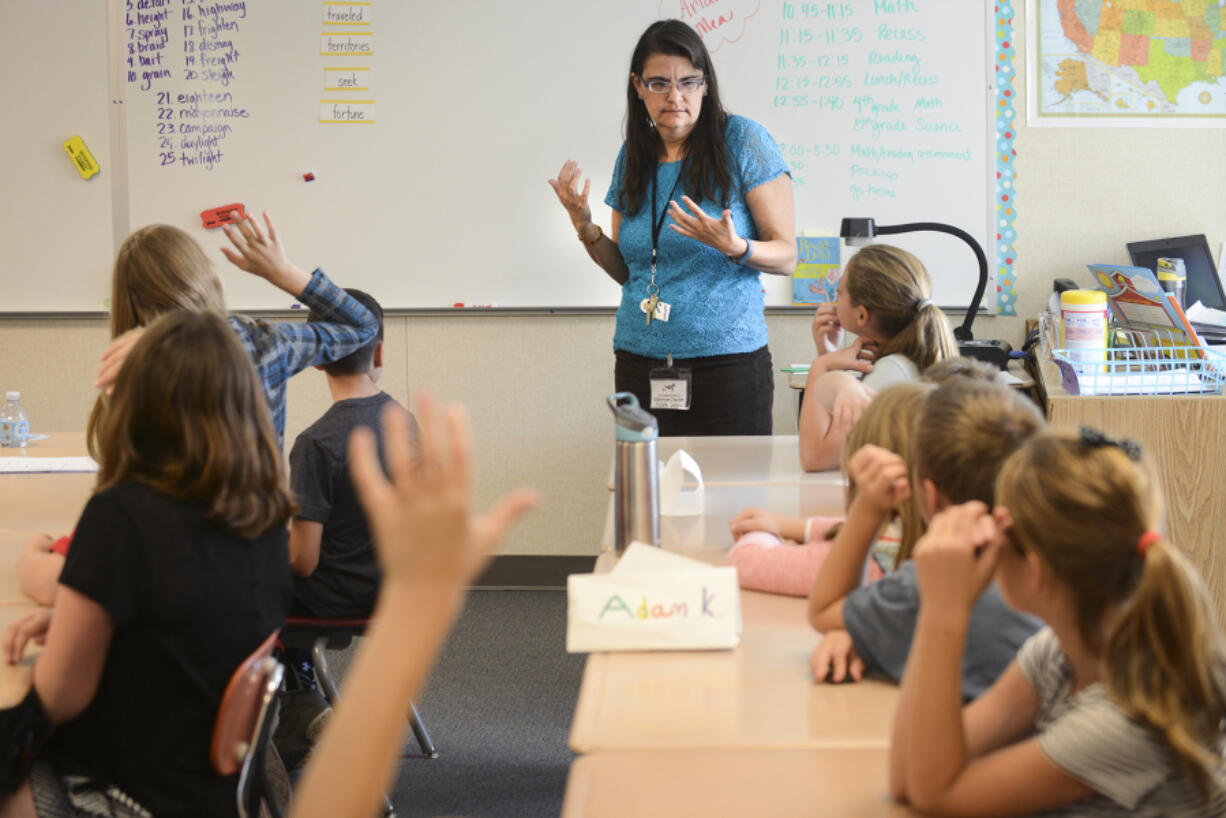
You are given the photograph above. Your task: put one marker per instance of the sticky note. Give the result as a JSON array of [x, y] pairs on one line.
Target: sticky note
[[217, 216], [81, 157]]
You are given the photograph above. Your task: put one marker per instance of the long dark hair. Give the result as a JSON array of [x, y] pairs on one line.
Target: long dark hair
[[706, 167], [188, 419]]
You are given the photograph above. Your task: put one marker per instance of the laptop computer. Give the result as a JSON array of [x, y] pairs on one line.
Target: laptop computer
[[1203, 284]]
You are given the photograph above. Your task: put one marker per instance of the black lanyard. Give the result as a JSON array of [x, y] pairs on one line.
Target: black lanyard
[[658, 225]]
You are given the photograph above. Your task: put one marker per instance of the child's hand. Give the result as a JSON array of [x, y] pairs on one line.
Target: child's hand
[[113, 357], [756, 519], [881, 478], [261, 253], [955, 558], [855, 357], [835, 657], [827, 331], [39, 544], [422, 520], [32, 626]]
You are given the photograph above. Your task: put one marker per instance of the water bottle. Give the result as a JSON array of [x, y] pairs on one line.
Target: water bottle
[[1173, 276], [14, 422], [636, 474]]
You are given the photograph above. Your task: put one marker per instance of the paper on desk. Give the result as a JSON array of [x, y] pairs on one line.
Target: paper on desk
[[1200, 314], [39, 465], [675, 502], [653, 600]]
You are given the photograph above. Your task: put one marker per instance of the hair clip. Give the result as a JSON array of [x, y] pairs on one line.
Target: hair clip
[[1094, 439]]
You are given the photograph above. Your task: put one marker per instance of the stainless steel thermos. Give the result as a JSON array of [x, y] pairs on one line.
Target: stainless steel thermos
[[636, 474]]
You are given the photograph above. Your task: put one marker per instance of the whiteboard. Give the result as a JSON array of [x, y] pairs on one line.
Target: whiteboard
[[57, 228], [431, 191]]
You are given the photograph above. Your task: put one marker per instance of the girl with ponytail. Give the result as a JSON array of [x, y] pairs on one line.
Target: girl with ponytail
[[1119, 706], [885, 299]]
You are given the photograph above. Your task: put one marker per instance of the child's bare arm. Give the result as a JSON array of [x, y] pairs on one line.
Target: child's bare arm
[[38, 569], [881, 486]]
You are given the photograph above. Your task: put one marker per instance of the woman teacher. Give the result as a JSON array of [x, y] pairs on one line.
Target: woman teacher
[[702, 202]]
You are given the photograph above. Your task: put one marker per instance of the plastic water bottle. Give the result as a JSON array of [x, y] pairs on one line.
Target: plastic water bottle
[[636, 474], [14, 422]]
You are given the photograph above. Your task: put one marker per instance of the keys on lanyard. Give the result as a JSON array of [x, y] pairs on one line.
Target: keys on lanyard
[[649, 304]]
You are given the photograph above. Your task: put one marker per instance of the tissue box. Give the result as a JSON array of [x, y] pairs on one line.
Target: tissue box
[[653, 600]]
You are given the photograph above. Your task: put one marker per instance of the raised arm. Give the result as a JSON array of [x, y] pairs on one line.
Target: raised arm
[[601, 247], [881, 486], [933, 761]]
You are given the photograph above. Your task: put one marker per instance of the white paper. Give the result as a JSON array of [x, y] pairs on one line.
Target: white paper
[[674, 501], [1201, 314], [38, 465], [654, 600]]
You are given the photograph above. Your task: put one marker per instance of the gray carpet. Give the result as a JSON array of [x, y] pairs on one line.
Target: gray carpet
[[498, 707]]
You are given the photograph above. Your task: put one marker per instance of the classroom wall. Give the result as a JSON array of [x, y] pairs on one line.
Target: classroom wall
[[535, 385]]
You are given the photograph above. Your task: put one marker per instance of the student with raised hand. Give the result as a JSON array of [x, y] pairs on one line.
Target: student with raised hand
[[1118, 707], [430, 545], [179, 570], [161, 269], [964, 431], [885, 299]]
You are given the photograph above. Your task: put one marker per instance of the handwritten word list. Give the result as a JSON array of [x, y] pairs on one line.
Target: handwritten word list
[[347, 44], [184, 55]]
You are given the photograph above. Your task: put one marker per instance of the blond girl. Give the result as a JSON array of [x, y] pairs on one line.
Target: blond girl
[[1119, 705], [764, 558], [963, 432], [885, 299]]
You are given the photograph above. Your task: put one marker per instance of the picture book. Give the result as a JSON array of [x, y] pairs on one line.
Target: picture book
[[1138, 301]]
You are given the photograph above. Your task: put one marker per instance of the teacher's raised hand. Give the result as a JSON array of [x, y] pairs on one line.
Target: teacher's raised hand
[[566, 186], [719, 233]]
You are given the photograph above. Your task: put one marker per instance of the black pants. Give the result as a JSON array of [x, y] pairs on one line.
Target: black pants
[[732, 394]]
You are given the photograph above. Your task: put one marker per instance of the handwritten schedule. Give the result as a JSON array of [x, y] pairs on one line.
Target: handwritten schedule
[[886, 104], [184, 55]]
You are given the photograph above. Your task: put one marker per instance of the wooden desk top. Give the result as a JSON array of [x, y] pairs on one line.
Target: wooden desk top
[[849, 781], [44, 502], [60, 444], [723, 502], [759, 695], [744, 460], [11, 544]]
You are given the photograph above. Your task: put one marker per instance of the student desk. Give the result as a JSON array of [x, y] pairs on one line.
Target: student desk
[[745, 460], [848, 781], [45, 502], [723, 502], [1184, 436], [11, 544]]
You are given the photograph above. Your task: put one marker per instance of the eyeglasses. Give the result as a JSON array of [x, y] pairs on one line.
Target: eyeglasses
[[688, 85]]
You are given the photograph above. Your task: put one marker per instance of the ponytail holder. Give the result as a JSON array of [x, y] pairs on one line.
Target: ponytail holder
[[923, 304], [1094, 439], [1147, 539]]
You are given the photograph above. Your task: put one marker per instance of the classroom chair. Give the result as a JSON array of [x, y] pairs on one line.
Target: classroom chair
[[322, 635], [244, 726]]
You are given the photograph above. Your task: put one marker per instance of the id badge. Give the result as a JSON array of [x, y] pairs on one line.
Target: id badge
[[670, 387]]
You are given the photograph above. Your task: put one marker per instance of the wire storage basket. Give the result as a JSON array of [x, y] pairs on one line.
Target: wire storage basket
[[1145, 362]]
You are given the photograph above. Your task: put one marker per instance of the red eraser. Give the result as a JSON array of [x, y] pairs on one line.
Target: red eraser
[[308, 177], [217, 216]]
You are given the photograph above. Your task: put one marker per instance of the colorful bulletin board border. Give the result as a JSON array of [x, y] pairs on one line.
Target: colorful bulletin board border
[[1006, 194]]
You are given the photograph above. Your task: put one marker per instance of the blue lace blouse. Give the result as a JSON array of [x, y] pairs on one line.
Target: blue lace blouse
[[716, 304]]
